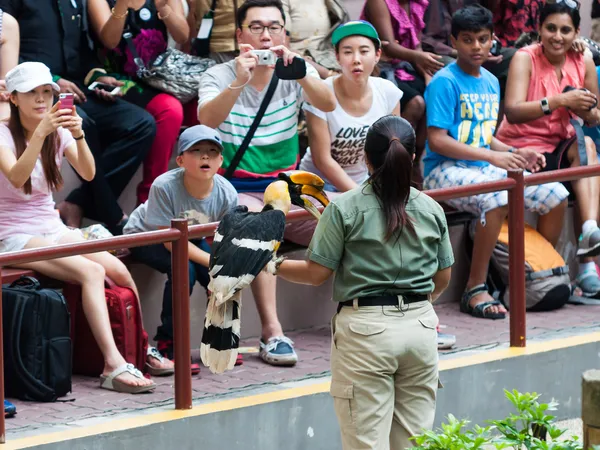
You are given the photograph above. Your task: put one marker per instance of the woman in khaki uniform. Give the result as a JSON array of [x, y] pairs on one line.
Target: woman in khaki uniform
[[389, 247]]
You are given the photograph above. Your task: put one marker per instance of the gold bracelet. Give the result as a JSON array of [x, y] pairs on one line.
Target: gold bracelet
[[116, 16], [161, 17]]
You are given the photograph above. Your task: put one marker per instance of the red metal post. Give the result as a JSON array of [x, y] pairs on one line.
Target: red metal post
[[2, 425], [181, 316], [516, 259]]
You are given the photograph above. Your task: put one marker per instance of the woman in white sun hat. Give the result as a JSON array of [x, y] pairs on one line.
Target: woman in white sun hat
[[32, 145]]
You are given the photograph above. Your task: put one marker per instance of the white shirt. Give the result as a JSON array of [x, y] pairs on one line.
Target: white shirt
[[348, 133]]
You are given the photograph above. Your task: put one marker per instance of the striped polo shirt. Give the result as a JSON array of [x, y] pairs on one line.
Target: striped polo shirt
[[274, 147]]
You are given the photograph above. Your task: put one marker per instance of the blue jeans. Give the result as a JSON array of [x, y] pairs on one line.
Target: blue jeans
[[159, 258]]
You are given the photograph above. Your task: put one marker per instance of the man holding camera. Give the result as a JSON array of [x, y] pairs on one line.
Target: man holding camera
[[230, 97]]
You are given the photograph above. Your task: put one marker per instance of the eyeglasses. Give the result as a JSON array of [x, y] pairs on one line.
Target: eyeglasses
[[274, 28], [573, 4]]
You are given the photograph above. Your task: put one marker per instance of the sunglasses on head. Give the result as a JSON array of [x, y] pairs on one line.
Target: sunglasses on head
[[573, 4]]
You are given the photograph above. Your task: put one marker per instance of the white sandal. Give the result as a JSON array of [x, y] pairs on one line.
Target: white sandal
[[109, 382], [158, 371]]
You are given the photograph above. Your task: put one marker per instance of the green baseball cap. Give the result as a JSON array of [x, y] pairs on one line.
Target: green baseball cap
[[354, 28]]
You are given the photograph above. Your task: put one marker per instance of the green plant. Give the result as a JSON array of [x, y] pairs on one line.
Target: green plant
[[452, 437], [529, 427]]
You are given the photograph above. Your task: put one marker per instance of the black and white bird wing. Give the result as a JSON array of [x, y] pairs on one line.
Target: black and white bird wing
[[243, 245]]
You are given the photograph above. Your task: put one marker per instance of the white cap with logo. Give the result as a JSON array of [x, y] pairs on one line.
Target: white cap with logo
[[29, 75]]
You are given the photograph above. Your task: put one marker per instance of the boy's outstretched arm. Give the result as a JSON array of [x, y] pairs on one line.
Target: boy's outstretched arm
[[444, 144], [195, 254]]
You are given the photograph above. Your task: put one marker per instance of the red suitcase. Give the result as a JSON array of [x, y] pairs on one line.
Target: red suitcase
[[126, 323]]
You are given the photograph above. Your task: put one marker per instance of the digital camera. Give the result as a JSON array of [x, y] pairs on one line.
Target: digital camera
[[265, 57]]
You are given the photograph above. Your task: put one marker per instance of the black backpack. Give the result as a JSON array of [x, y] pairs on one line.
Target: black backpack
[[37, 342]]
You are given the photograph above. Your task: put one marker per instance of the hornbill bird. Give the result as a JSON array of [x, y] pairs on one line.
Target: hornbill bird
[[244, 243]]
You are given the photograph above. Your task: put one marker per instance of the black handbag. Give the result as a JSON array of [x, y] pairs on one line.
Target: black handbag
[[37, 342]]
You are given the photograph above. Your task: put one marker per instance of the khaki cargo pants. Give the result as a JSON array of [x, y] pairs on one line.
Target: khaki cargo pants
[[384, 366]]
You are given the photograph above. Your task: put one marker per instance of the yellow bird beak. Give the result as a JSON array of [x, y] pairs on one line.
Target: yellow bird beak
[[305, 183]]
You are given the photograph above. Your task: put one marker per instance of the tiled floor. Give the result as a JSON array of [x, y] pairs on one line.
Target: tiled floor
[[473, 335]]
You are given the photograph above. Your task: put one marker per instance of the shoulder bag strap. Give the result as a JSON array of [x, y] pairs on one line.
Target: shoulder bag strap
[[213, 6], [259, 115], [142, 70]]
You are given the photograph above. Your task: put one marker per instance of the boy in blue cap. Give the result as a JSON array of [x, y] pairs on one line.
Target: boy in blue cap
[[193, 191]]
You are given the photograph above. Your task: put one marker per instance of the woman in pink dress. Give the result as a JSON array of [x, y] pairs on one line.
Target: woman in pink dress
[[32, 146]]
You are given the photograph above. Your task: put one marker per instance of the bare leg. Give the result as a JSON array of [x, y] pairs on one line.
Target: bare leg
[[90, 276], [550, 225], [483, 246], [118, 273], [264, 291], [587, 190]]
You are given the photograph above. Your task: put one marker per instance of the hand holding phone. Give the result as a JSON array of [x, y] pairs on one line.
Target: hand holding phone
[[108, 88]]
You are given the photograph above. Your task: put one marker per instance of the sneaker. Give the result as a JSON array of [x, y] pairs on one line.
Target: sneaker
[[589, 283], [239, 360], [9, 409], [445, 341], [165, 348], [589, 244], [278, 351]]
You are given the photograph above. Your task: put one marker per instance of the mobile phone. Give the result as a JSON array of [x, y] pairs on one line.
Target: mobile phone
[[66, 100], [112, 90], [496, 47]]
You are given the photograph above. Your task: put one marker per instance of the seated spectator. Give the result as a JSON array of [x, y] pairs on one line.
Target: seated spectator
[[119, 133], [229, 99], [223, 44], [337, 138], [9, 57], [195, 192], [310, 24], [32, 147], [400, 23], [513, 18], [539, 114], [436, 38], [463, 101], [149, 22]]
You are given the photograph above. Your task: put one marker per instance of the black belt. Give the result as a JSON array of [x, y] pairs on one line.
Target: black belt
[[384, 300]]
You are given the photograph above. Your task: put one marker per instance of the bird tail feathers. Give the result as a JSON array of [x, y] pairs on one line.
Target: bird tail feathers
[[221, 335]]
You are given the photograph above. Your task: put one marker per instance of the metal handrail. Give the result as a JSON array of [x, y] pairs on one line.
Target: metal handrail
[[179, 233]]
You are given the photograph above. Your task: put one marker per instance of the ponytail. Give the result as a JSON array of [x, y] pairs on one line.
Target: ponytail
[[390, 148]]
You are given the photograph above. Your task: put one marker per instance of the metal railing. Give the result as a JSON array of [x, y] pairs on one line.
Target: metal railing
[[179, 233]]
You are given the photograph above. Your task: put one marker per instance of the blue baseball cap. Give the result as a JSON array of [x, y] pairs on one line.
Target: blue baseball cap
[[354, 28], [195, 134]]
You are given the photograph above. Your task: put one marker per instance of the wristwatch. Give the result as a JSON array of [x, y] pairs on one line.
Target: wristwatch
[[545, 106]]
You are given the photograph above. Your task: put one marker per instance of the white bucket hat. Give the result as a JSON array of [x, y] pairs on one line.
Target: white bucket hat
[[29, 75]]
